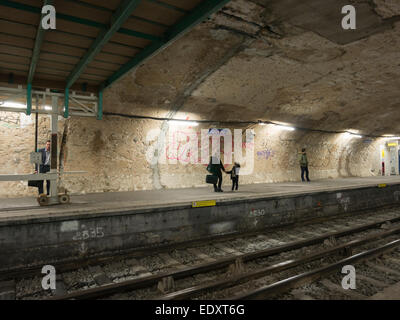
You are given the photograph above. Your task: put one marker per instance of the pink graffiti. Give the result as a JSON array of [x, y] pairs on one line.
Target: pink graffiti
[[184, 150]]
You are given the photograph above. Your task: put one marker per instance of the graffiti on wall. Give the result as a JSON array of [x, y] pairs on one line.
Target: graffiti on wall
[[184, 146], [180, 148], [265, 154]]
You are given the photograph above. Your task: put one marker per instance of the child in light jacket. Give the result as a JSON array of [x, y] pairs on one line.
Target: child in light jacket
[[235, 175]]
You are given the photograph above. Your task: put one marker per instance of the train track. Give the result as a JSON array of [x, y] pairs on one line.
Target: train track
[[298, 280], [192, 272], [236, 264], [277, 287]]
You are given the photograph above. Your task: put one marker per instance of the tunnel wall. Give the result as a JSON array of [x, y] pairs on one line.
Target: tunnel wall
[[113, 151]]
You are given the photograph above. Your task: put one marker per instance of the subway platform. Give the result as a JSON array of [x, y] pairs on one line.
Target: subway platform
[[99, 224]]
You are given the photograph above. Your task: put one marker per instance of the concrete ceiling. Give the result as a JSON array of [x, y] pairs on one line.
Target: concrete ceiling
[[279, 60]]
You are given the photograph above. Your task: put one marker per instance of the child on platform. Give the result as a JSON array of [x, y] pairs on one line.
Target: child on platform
[[235, 176]]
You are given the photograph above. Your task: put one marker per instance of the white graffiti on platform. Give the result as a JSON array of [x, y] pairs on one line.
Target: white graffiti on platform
[[83, 248], [397, 195], [257, 212], [344, 202], [88, 233]]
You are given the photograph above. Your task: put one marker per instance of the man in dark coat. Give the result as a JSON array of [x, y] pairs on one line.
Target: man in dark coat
[[45, 166], [216, 167]]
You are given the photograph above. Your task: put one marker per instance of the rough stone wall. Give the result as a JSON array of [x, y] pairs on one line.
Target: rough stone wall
[[387, 8], [113, 153]]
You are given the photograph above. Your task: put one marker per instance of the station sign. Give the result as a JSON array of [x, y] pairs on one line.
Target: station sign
[[205, 203]]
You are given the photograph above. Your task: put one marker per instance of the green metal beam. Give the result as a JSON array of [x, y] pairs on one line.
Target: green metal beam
[[66, 103], [138, 34], [38, 44], [168, 6], [86, 22], [199, 14], [97, 7], [29, 99], [117, 19], [100, 106]]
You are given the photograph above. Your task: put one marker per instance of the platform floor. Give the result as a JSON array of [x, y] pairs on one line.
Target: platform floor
[[16, 208]]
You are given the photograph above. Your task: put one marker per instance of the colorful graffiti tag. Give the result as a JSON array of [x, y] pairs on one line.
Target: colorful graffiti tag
[[265, 154]]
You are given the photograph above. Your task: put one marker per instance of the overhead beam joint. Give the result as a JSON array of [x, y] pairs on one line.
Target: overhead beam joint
[[199, 14], [38, 44], [117, 20]]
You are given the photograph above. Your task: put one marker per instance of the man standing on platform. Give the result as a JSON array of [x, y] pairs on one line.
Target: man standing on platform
[[216, 166], [304, 164], [45, 166]]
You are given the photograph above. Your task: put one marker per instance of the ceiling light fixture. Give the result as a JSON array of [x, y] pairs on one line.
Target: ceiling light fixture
[[285, 127], [16, 105], [352, 135], [183, 123]]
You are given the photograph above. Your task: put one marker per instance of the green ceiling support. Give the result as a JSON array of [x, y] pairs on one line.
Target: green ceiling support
[[86, 22], [29, 100], [66, 103], [138, 34], [38, 44], [199, 14], [117, 19], [169, 6], [100, 106]]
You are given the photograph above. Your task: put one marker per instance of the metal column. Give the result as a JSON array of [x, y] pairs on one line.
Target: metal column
[[54, 149]]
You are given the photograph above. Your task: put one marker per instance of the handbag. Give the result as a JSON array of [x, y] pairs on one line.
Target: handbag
[[211, 179], [34, 183]]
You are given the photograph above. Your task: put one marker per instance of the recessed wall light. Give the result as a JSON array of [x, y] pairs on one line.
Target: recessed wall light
[[183, 123], [17, 105], [285, 127]]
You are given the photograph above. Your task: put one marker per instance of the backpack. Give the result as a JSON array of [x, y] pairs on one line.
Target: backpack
[[303, 160]]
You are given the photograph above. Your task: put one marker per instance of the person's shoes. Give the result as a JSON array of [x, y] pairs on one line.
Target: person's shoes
[[220, 190]]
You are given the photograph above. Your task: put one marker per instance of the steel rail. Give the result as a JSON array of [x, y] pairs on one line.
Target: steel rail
[[210, 266], [278, 267], [308, 277]]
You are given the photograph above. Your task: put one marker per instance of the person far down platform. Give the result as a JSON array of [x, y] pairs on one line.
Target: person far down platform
[[44, 167]]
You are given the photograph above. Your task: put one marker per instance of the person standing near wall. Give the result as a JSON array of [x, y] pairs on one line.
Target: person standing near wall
[[304, 164], [235, 175], [215, 167], [45, 166]]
